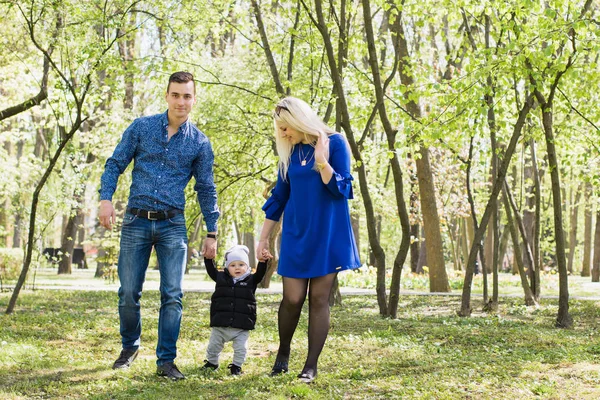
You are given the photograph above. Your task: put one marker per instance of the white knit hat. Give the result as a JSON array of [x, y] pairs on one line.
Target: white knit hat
[[237, 253]]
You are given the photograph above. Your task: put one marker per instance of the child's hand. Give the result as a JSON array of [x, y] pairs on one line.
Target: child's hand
[[266, 255], [262, 251]]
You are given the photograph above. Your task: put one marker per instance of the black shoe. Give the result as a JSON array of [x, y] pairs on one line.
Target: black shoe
[[235, 370], [125, 358], [280, 367], [308, 376], [209, 365], [169, 370]]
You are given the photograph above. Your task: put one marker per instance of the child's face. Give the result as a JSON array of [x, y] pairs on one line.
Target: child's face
[[237, 268]]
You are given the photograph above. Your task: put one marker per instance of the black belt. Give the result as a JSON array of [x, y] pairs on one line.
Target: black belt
[[154, 215]]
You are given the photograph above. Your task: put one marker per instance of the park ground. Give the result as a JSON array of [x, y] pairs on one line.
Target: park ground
[[60, 344]]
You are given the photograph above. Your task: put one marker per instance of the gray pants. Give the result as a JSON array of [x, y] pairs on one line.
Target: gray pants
[[220, 335]]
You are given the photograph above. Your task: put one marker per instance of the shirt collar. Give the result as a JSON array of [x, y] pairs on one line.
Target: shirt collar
[[165, 122]]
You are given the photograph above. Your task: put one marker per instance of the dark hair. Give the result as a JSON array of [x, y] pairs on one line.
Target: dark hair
[[181, 77]]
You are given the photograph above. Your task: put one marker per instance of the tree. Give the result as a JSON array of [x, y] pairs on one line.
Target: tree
[[37, 18]]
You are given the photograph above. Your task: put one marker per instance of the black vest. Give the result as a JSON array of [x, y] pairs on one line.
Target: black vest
[[232, 304]]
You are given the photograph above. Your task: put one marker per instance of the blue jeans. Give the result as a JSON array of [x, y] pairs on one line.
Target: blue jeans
[[169, 238]]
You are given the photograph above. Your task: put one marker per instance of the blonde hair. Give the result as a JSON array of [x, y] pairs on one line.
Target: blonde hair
[[298, 115]]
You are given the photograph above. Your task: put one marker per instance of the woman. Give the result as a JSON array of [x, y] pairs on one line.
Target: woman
[[312, 191]]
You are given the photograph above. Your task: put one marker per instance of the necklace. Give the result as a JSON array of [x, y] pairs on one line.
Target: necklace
[[302, 158]]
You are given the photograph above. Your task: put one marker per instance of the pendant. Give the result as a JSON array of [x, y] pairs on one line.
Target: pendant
[[303, 163]]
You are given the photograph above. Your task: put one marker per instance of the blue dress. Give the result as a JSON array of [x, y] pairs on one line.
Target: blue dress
[[317, 237]]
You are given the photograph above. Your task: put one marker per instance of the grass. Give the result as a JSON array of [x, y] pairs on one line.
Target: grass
[[61, 344]]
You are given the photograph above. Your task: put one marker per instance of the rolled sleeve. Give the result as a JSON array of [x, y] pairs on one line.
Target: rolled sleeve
[[275, 204], [340, 184], [205, 186], [118, 162]]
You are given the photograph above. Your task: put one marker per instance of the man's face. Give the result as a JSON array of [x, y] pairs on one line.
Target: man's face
[[181, 99]]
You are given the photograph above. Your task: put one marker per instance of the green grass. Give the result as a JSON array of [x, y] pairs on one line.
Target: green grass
[[61, 344]]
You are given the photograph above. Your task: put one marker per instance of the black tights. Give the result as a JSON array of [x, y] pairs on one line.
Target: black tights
[[294, 294]]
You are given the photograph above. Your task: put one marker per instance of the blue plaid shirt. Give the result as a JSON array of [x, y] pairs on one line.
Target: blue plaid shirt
[[163, 168]]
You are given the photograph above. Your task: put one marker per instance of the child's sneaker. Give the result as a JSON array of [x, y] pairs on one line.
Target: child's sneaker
[[235, 370], [208, 365]]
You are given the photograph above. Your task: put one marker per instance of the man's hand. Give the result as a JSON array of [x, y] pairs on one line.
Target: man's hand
[[106, 214], [209, 248]]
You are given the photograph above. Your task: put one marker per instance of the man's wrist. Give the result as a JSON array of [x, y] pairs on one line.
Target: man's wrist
[[212, 235]]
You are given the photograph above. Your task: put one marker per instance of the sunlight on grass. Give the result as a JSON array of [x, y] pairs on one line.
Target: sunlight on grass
[[61, 344]]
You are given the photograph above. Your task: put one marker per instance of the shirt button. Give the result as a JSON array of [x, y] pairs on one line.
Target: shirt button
[[166, 149], [155, 191], [159, 176]]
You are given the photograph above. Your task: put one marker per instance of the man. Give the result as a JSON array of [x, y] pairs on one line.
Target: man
[[168, 149]]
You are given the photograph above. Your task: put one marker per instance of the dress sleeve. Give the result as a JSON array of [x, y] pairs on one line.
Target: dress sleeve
[[275, 204], [340, 184], [211, 269]]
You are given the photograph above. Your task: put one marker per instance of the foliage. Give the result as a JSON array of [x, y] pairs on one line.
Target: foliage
[[63, 344], [450, 60], [11, 261]]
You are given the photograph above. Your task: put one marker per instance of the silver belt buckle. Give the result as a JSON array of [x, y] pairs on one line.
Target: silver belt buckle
[[150, 215]]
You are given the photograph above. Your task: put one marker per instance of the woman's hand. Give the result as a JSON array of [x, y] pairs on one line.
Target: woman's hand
[[262, 251], [322, 148]]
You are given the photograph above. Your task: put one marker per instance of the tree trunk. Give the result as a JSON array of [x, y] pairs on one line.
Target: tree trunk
[[475, 223], [573, 229], [18, 225], [529, 213], [362, 174], [438, 278], [493, 236], [415, 229], [465, 309], [67, 245], [526, 251], [390, 133], [454, 237], [464, 240], [274, 240], [503, 248], [127, 53], [335, 296], [563, 319], [248, 239], [529, 300], [488, 243], [101, 255], [587, 232], [422, 258], [537, 258], [596, 260], [414, 248], [355, 221]]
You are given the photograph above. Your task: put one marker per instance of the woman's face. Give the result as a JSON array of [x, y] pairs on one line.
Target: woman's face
[[288, 133]]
